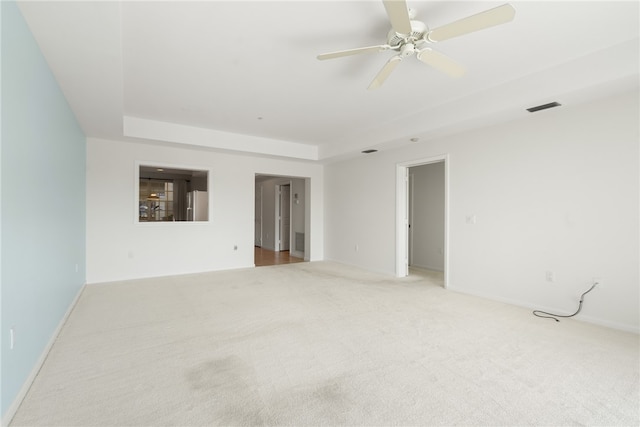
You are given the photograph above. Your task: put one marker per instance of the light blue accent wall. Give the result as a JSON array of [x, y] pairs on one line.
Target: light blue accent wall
[[42, 220]]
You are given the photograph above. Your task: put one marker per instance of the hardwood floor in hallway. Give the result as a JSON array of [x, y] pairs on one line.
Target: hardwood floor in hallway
[[263, 257]]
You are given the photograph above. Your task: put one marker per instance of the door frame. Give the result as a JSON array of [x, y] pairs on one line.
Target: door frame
[[402, 213], [410, 217]]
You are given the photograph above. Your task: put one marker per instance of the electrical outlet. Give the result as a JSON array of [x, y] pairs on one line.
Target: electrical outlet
[[550, 276]]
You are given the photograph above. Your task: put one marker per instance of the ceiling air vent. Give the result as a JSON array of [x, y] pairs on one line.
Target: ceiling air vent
[[369, 151], [543, 107]]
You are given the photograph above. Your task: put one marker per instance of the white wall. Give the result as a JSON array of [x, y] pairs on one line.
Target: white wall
[[427, 216], [555, 191], [118, 248], [258, 215], [297, 215]]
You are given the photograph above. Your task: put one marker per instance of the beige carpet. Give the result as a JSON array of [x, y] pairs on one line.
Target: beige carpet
[[325, 344]]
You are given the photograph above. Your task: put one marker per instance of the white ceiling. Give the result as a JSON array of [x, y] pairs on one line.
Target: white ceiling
[[211, 73]]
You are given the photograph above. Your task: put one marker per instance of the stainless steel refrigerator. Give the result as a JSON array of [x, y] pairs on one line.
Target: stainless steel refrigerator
[[197, 206]]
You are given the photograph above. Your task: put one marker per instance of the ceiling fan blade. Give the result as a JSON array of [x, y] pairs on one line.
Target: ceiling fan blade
[[398, 15], [489, 18], [385, 72], [440, 62], [350, 52]]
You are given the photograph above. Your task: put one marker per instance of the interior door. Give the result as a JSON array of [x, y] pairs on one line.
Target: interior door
[[285, 216]]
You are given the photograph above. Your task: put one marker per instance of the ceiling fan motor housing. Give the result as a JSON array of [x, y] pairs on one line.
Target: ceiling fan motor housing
[[418, 31]]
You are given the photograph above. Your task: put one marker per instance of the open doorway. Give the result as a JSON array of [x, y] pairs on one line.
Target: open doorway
[[426, 221], [281, 220], [422, 218]]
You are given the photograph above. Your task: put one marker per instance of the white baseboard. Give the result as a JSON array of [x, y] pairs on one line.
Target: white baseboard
[[580, 317], [296, 254], [13, 408]]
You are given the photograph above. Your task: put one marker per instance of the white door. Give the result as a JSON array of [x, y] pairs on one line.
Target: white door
[[285, 216]]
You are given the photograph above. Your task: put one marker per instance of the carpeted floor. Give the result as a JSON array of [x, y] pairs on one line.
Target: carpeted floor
[[325, 344]]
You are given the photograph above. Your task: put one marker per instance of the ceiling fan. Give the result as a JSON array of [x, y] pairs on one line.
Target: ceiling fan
[[408, 37]]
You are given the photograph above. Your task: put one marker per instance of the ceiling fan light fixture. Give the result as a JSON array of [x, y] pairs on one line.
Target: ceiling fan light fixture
[[418, 33]]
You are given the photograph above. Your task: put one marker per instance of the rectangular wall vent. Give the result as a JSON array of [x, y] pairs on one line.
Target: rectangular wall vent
[[299, 242], [543, 107]]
